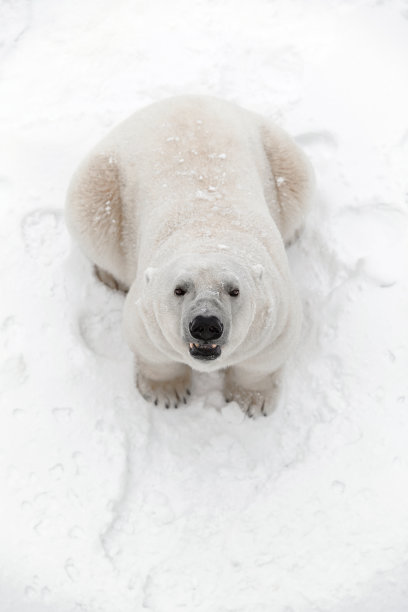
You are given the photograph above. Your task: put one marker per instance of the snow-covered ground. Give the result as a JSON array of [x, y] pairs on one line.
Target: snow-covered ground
[[108, 504]]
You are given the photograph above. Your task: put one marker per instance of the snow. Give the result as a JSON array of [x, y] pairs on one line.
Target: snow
[[111, 504]]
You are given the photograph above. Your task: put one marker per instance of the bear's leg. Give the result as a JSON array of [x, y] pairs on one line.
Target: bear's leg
[[294, 180], [94, 216], [255, 394], [109, 280], [165, 385]]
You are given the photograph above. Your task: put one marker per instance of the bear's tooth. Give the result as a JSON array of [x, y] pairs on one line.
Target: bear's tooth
[[191, 345], [213, 345]]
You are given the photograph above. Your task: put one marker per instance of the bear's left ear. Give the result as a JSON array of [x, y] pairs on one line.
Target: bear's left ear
[[258, 270], [149, 273]]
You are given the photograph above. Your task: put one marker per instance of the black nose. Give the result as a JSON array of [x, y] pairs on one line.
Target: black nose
[[206, 328]]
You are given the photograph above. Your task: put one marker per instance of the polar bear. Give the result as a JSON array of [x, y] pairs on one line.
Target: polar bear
[[187, 205]]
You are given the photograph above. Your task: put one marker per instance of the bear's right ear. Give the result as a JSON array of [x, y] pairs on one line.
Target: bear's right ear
[[149, 273]]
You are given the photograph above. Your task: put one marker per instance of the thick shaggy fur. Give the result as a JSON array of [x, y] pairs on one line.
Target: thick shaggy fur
[[198, 191]]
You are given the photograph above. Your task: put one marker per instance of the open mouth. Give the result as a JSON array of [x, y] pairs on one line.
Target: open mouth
[[205, 351]]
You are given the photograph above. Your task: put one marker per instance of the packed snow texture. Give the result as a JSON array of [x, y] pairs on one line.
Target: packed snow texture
[[109, 504]]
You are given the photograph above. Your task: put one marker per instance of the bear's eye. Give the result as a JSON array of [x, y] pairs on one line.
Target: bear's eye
[[179, 291], [234, 292]]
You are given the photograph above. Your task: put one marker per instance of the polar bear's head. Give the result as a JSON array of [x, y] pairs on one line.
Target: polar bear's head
[[203, 306]]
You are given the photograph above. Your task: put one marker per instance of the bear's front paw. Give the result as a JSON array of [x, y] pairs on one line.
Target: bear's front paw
[[253, 403], [167, 393]]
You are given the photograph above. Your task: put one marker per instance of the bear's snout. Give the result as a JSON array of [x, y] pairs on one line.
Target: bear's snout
[[206, 328]]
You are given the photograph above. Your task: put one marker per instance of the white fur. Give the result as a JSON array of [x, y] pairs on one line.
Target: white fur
[[195, 187]]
